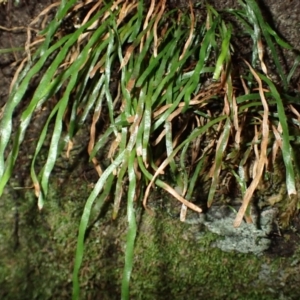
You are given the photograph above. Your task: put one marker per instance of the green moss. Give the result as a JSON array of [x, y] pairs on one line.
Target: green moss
[[173, 264], [169, 260]]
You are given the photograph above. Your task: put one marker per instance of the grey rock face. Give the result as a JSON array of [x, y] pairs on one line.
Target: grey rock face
[[248, 238]]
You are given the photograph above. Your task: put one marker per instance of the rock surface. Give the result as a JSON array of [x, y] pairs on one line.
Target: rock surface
[[248, 238]]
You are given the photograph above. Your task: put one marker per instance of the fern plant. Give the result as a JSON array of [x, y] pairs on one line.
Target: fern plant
[[174, 99]]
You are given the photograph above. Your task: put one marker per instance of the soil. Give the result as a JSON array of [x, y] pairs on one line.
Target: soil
[[13, 22], [283, 15]]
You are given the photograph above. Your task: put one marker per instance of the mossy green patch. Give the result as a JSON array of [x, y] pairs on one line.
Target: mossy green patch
[[170, 261]]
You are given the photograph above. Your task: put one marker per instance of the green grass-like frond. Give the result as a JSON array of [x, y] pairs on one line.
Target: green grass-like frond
[[181, 106]]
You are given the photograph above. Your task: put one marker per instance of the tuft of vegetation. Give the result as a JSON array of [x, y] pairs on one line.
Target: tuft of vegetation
[[166, 96]]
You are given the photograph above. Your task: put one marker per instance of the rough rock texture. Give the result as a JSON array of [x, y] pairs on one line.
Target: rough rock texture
[[248, 238]]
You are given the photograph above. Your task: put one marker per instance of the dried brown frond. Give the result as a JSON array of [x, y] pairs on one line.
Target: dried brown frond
[[262, 155]]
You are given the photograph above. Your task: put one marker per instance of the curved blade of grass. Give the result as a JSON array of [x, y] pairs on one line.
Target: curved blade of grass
[[278, 39], [85, 218], [255, 32], [86, 95], [101, 142], [221, 147], [56, 135], [137, 25], [169, 147], [134, 128], [287, 151], [126, 32], [11, 50], [223, 57], [108, 62], [119, 189], [93, 130], [100, 199], [242, 17], [208, 42], [121, 173], [253, 9], [94, 93], [145, 125], [193, 179], [95, 99], [125, 77], [241, 180], [139, 60], [132, 228], [247, 97], [243, 162], [211, 12], [37, 150], [293, 69], [183, 178]]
